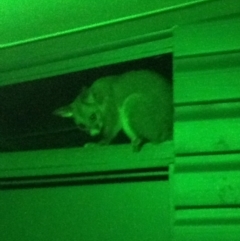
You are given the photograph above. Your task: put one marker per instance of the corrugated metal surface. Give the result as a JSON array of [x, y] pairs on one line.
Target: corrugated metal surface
[[26, 20], [207, 130], [205, 181], [85, 43]]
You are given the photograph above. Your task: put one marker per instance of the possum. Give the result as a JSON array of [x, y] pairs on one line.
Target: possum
[[138, 102]]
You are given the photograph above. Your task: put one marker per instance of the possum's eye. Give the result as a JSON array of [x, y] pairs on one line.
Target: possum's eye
[[93, 117]]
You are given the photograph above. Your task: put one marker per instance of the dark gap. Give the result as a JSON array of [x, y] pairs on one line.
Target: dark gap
[[27, 122], [207, 102], [100, 181], [215, 153], [88, 174]]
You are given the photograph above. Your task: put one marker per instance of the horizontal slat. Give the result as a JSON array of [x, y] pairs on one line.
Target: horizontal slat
[[207, 86], [206, 61], [76, 49], [221, 135], [207, 128], [210, 36], [208, 111], [83, 160], [207, 224], [124, 212], [208, 180], [90, 58], [207, 77], [206, 163], [129, 176], [208, 216]]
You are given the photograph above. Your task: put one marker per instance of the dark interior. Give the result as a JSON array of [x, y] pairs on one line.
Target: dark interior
[[27, 122]]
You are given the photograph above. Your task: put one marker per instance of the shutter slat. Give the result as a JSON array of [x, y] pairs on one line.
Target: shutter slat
[[209, 180], [207, 224], [207, 77], [207, 128], [206, 176], [208, 37]]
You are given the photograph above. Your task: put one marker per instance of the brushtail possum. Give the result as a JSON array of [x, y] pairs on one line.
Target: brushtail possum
[[137, 102]]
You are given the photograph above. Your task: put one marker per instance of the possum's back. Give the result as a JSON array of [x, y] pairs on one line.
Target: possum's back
[[144, 82]]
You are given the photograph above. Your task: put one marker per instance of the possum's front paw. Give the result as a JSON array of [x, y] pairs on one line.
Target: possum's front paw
[[137, 145]]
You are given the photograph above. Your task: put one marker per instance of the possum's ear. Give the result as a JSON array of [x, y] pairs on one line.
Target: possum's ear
[[64, 111], [86, 96]]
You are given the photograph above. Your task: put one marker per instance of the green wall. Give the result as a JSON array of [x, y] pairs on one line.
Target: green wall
[[130, 211], [26, 19]]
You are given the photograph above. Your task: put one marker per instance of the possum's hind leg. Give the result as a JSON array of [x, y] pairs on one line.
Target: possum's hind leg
[[130, 119], [145, 118]]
